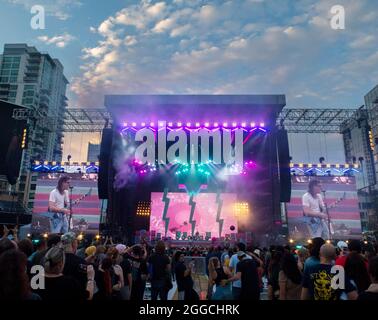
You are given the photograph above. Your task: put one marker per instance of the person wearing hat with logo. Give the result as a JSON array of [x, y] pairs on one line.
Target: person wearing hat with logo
[[343, 253]]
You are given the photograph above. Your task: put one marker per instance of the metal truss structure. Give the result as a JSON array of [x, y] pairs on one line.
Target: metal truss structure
[[314, 120], [292, 119]]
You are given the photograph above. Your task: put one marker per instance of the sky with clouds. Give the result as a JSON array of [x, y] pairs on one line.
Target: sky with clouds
[[206, 47]]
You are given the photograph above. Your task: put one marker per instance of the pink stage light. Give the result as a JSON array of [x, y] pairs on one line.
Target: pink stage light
[[253, 124], [161, 124], [152, 124], [262, 124], [243, 124], [170, 124], [206, 124], [216, 124], [225, 124], [234, 124], [134, 124], [143, 124], [125, 124], [197, 124], [188, 124], [179, 124]]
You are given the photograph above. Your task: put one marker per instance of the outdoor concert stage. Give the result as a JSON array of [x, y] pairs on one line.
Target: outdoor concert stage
[[180, 165]]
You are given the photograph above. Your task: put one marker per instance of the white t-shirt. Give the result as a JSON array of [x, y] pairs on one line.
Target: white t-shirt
[[59, 199], [314, 203]]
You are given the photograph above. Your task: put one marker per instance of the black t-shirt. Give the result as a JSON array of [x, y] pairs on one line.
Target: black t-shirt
[[250, 289], [183, 283], [76, 267], [368, 296], [138, 267], [158, 264], [126, 269], [221, 275], [62, 288], [317, 279]]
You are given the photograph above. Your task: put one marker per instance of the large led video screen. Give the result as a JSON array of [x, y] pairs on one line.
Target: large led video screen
[[204, 218], [86, 204], [340, 200]]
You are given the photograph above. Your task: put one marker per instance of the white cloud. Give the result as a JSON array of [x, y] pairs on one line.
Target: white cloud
[[157, 9], [59, 41], [61, 9], [163, 25], [130, 40], [180, 31], [364, 41], [220, 47]]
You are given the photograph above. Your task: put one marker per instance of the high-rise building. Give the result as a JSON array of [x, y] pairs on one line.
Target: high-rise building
[[93, 152], [35, 80]]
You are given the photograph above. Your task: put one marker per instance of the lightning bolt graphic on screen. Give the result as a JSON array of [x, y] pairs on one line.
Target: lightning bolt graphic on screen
[[166, 201], [193, 207], [219, 201]]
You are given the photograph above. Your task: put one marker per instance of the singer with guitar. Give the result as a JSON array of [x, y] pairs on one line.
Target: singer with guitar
[[314, 211], [58, 204]]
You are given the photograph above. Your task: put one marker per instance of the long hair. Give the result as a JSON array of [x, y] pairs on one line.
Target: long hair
[[106, 266], [62, 180], [160, 247], [213, 265], [355, 269], [290, 268], [311, 186], [315, 247], [14, 282]]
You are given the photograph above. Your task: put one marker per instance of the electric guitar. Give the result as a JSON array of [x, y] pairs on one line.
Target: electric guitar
[[74, 203]]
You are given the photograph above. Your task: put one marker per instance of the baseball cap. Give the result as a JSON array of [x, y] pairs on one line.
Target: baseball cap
[[341, 245], [120, 248], [91, 250], [68, 238]]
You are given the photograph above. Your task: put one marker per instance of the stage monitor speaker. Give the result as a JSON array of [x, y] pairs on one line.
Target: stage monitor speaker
[[103, 172], [284, 165]]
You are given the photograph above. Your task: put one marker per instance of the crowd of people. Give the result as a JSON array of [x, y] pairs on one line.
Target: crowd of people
[[93, 269]]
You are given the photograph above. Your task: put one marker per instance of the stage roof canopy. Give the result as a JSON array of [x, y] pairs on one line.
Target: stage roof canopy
[[203, 108]]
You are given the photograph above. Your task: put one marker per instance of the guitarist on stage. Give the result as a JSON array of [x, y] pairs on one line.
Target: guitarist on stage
[[58, 204], [314, 211]]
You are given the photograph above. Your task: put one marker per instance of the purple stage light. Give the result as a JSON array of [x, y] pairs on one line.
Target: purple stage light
[[206, 124], [225, 124], [253, 124], [170, 124], [262, 124], [197, 124], [143, 124], [179, 124], [243, 124], [125, 124], [234, 124], [152, 124], [134, 124], [216, 124], [188, 124]]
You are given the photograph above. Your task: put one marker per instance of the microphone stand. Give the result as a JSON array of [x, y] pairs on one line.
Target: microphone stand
[[70, 218], [327, 212]]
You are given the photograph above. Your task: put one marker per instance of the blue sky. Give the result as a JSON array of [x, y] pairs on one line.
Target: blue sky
[[216, 47]]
